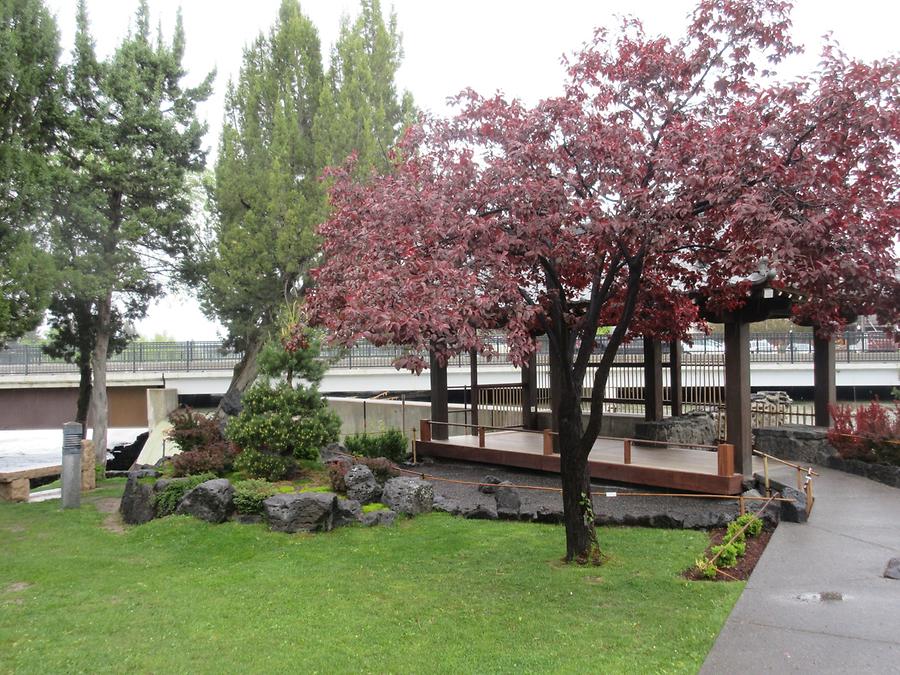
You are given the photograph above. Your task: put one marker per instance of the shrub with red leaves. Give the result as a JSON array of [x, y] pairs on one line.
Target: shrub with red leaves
[[203, 448], [870, 433]]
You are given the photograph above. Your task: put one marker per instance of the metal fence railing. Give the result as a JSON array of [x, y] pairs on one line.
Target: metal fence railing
[[706, 351]]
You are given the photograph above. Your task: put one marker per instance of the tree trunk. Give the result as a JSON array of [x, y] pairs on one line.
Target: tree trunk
[[244, 374], [581, 537], [99, 399], [84, 389]]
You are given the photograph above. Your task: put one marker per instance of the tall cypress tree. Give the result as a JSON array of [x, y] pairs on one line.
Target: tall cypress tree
[[285, 121], [30, 82], [134, 141]]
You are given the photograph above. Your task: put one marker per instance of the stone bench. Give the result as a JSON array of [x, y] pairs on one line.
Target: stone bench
[[15, 486]]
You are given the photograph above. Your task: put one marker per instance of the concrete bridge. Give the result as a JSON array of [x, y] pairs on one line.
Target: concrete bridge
[[39, 392]]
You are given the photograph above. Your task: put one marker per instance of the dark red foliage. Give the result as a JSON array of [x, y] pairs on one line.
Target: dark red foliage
[[216, 458], [666, 167], [870, 433]]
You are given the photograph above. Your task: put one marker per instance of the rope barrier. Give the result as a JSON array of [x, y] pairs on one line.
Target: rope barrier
[[544, 488]]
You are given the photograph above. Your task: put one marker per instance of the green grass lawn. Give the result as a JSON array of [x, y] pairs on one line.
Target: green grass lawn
[[433, 594]]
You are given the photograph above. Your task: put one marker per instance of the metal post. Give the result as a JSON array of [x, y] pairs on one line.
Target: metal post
[[71, 465]]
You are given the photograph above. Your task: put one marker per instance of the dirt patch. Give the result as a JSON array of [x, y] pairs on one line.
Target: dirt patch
[[113, 523], [15, 528], [108, 505], [17, 587], [745, 565]]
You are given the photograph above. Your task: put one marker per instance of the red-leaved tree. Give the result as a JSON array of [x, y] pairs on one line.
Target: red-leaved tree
[[666, 167]]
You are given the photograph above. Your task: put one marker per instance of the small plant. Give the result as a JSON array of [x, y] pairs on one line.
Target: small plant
[[740, 547], [382, 468], [374, 506], [755, 524], [336, 473], [249, 495], [735, 531], [390, 444], [255, 464], [725, 555], [706, 568], [166, 500]]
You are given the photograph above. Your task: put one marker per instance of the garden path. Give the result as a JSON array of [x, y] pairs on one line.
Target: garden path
[[817, 601]]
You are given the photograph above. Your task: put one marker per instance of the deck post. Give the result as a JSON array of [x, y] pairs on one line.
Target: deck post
[[676, 395], [737, 394], [548, 442], [439, 406], [480, 432], [824, 391], [653, 383], [424, 431], [726, 459], [529, 393], [626, 443], [473, 377]]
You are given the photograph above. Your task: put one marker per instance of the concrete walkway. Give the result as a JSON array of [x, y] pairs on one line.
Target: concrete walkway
[[817, 601]]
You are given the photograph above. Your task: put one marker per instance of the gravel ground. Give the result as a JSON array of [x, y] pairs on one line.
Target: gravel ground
[[654, 511]]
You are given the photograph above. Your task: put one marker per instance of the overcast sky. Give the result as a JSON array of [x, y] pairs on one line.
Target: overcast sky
[[489, 45]]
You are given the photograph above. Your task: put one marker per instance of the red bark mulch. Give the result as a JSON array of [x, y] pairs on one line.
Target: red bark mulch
[[745, 565]]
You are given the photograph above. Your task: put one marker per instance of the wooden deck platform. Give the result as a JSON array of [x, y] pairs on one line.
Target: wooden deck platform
[[680, 469]]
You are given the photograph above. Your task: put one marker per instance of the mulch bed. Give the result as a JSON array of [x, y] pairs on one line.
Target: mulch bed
[[745, 565]]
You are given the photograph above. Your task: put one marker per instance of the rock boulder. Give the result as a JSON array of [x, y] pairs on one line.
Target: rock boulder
[[362, 485], [137, 502], [212, 501], [301, 512], [410, 496]]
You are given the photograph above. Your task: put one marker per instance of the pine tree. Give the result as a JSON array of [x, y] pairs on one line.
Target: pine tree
[[29, 122], [134, 141], [285, 121]]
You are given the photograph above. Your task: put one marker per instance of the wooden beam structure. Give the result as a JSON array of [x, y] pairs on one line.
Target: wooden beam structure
[[473, 380], [737, 394], [439, 400], [653, 380], [675, 390], [616, 460], [529, 393], [824, 389]]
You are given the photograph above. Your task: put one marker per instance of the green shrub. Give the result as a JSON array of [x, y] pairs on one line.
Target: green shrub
[[284, 421], [255, 464], [390, 444], [166, 500], [734, 533], [755, 527], [740, 547], [727, 555], [249, 495]]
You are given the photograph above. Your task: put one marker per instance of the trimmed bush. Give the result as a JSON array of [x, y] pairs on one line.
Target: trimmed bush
[[217, 458], [249, 495], [255, 464], [755, 527], [390, 444], [283, 421], [166, 500]]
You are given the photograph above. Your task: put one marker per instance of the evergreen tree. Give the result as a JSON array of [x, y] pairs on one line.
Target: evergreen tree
[[135, 140], [285, 121], [267, 194], [29, 120]]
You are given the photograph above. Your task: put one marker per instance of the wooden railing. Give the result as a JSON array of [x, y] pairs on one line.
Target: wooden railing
[[724, 451]]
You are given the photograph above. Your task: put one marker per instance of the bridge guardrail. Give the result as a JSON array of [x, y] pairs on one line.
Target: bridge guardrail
[[850, 347]]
